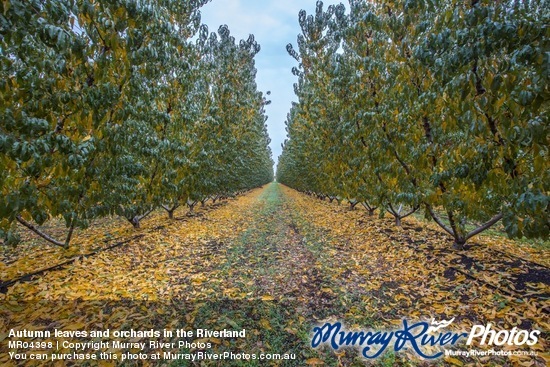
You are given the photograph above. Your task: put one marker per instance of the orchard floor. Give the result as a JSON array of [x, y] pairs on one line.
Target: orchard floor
[[276, 263]]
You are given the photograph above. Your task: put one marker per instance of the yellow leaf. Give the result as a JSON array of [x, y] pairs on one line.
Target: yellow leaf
[[267, 297], [103, 363], [265, 324], [314, 362], [456, 362]]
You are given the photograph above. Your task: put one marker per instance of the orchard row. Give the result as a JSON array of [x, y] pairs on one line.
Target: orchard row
[[438, 106], [118, 108]]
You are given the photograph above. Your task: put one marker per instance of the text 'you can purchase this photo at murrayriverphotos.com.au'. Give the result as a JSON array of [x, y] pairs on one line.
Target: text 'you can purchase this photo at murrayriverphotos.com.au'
[[121, 346]]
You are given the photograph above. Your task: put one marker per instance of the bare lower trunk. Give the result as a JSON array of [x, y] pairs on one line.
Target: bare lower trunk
[[69, 235], [370, 209], [397, 213], [454, 230], [170, 210], [191, 206], [135, 221], [459, 243]]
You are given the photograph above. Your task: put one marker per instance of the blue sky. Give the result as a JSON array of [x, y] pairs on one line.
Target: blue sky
[[274, 23]]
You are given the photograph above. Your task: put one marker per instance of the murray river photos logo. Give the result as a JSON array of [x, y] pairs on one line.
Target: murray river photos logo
[[419, 336]]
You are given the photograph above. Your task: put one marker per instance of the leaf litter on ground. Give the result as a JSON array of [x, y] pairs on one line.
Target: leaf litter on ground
[[276, 262]]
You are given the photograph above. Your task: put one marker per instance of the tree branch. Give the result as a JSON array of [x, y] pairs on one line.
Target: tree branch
[[438, 221], [485, 226], [392, 211], [368, 207], [413, 210], [140, 217], [42, 234]]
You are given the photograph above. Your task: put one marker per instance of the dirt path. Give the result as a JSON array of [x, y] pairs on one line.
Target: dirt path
[[276, 259]]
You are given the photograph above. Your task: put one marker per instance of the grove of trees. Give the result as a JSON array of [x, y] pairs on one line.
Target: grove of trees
[[121, 107], [437, 106]]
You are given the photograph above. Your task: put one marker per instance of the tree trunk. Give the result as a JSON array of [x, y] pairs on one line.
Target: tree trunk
[[459, 243], [369, 208], [135, 222], [137, 219], [398, 221], [69, 235], [397, 213], [460, 239], [170, 210]]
